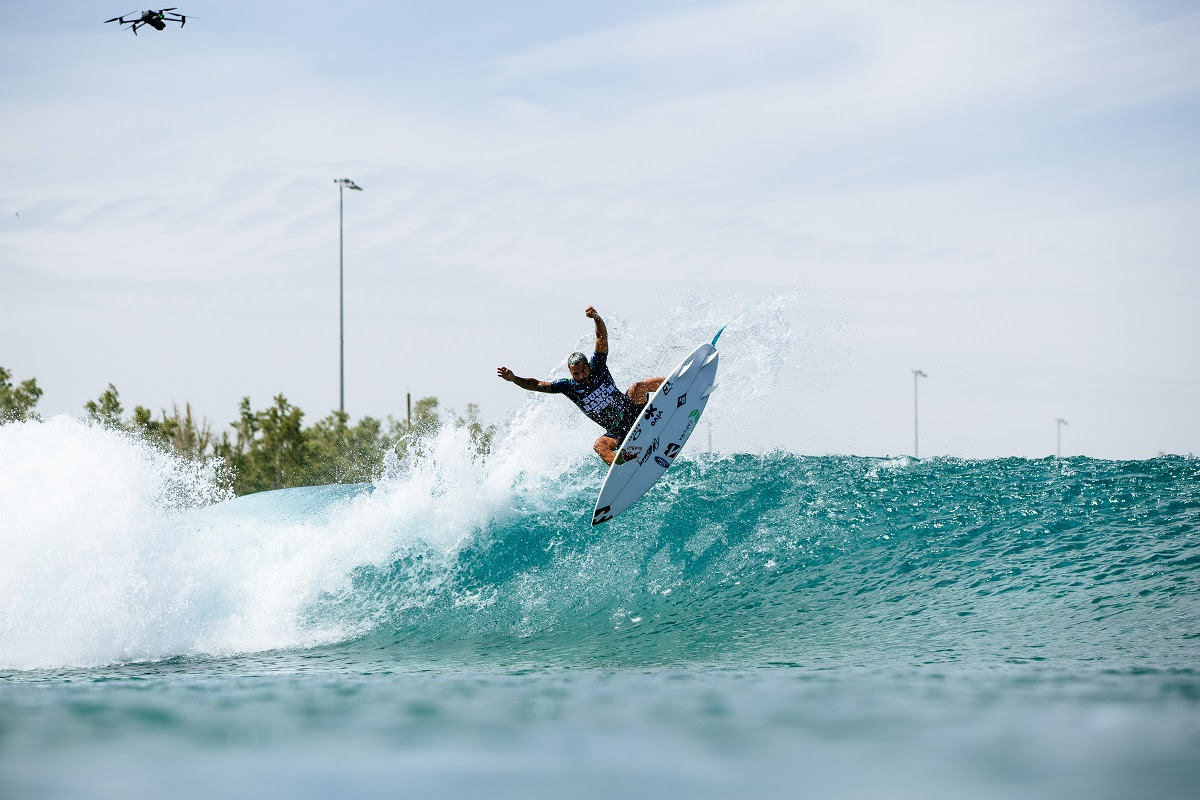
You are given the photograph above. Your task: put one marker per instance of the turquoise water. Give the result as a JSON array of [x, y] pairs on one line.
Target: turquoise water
[[773, 625]]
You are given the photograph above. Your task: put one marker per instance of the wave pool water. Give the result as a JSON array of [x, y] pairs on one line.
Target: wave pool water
[[852, 626]]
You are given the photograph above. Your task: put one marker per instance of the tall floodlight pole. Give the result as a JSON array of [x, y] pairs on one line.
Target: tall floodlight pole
[[917, 374], [342, 183], [1058, 429]]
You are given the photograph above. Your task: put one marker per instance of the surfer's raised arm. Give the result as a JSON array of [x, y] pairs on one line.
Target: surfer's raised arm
[[601, 331], [530, 384]]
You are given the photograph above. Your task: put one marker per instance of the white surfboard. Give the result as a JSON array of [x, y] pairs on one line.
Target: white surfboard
[[670, 417]]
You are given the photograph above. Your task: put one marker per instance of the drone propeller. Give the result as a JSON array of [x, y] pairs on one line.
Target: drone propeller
[[120, 19]]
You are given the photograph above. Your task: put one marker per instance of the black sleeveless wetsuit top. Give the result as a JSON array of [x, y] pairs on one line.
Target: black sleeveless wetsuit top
[[599, 398]]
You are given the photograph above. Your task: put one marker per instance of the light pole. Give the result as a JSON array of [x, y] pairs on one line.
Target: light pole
[[1058, 429], [342, 183], [917, 374]]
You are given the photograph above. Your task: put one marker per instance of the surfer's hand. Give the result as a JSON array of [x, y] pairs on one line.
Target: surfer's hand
[[590, 312], [505, 373]]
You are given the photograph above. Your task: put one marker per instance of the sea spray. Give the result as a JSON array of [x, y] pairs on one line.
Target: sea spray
[[119, 551], [93, 568]]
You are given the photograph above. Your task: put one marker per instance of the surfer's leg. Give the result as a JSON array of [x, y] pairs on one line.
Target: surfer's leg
[[606, 448], [640, 392]]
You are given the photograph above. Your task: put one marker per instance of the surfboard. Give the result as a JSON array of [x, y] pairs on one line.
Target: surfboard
[[662, 429]]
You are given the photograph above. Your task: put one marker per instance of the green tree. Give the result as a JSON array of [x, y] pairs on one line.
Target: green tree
[[180, 432], [177, 431], [427, 420], [344, 453], [17, 403], [270, 451], [107, 408], [481, 436], [271, 448]]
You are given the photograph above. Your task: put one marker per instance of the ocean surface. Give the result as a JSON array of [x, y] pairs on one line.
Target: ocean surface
[[758, 626]]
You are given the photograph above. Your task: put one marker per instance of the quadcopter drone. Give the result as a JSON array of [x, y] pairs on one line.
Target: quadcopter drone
[[155, 19]]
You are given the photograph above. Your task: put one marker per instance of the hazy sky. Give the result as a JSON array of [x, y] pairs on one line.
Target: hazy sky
[[1005, 195]]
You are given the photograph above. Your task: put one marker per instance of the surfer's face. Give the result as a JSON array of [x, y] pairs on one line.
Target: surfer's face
[[579, 372]]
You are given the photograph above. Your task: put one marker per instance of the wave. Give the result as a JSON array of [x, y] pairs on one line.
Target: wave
[[116, 552]]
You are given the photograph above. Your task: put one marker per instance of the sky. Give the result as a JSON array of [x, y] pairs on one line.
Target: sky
[[1003, 195]]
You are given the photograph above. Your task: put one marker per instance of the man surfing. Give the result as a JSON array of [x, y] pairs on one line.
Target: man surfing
[[592, 388]]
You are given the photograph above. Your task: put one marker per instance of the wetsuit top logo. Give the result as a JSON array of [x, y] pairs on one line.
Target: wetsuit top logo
[[599, 398]]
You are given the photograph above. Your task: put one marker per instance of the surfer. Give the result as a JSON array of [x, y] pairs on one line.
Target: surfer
[[592, 388]]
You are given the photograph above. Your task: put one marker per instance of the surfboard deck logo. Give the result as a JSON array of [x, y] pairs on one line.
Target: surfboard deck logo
[[628, 454], [638, 467]]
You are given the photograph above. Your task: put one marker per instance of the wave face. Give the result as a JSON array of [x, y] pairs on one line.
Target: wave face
[[115, 552]]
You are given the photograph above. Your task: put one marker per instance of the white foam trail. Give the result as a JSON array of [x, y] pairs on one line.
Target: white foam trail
[[90, 571], [107, 558]]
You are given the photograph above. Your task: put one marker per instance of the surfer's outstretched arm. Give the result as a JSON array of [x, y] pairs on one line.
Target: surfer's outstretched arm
[[601, 330], [529, 384]]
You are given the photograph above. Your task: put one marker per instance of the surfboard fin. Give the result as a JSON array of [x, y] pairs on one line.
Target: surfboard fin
[[710, 359], [710, 390]]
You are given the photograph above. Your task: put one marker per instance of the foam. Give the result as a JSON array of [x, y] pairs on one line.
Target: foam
[[114, 550]]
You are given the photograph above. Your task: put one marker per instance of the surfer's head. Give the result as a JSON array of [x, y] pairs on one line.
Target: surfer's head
[[578, 364]]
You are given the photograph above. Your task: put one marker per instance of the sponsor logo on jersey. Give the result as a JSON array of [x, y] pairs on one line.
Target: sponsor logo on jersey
[[601, 397]]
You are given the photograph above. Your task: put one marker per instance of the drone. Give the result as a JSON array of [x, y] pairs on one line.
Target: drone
[[155, 19]]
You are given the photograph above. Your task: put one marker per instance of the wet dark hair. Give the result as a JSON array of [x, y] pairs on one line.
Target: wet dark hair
[[576, 360]]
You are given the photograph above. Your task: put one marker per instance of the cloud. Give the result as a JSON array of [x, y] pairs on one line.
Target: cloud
[[962, 162], [850, 63]]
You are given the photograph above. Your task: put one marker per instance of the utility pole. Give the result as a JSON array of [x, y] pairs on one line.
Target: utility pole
[[1058, 429], [342, 183], [917, 374]]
